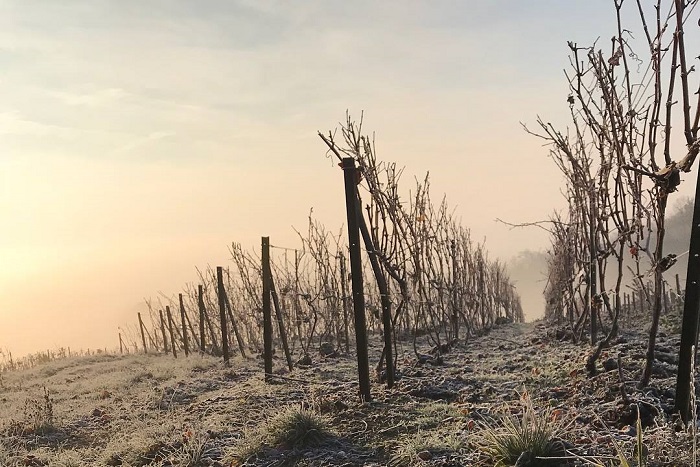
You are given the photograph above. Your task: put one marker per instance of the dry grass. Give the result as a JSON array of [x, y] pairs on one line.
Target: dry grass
[[529, 438], [154, 410], [293, 429]]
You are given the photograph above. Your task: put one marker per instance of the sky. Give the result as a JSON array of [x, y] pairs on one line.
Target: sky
[[138, 139]]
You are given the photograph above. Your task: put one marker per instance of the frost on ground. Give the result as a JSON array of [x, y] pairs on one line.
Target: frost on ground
[[142, 410]]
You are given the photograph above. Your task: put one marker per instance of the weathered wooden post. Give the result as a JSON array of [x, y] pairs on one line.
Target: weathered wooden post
[[351, 177], [592, 273], [691, 313], [454, 295], [482, 293], [143, 334], [162, 331], [170, 328], [202, 312], [280, 323], [678, 286], [185, 342], [121, 345], [222, 312], [267, 312]]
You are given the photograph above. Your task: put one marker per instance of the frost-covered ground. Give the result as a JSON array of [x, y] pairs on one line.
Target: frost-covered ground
[[155, 410]]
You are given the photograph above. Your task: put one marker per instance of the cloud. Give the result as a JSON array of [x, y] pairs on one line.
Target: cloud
[[90, 99], [144, 141], [13, 123]]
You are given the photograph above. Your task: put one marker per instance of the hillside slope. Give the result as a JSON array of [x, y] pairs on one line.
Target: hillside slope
[[155, 410]]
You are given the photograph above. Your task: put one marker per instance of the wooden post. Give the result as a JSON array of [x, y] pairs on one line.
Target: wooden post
[[121, 345], [592, 272], [496, 294], [202, 312], [678, 286], [170, 328], [162, 331], [455, 296], [280, 323], [185, 342], [351, 179], [267, 312], [222, 312], [691, 315], [143, 334], [482, 293]]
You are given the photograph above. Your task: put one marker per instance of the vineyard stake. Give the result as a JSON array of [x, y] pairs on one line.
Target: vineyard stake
[[185, 343], [222, 313], [267, 312], [162, 331], [170, 328], [200, 302], [351, 179], [143, 334], [691, 308]]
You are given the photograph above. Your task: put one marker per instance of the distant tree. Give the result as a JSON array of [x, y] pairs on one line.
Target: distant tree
[[528, 271]]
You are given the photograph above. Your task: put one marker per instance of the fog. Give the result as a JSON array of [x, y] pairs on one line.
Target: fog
[[139, 141]]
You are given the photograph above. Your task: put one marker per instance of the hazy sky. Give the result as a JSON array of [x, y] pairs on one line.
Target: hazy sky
[[139, 138]]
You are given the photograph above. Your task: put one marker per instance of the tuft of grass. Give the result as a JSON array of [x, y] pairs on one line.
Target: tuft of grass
[[298, 428], [294, 428], [528, 440]]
